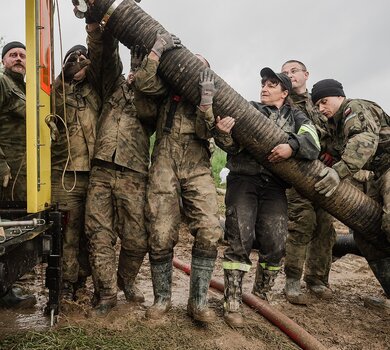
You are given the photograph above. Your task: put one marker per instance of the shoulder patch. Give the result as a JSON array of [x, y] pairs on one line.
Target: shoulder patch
[[347, 112]]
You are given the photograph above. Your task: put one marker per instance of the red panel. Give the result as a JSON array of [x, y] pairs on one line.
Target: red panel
[[45, 43]]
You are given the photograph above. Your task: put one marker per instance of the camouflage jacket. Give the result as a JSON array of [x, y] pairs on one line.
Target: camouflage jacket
[[12, 122], [185, 120], [123, 133], [305, 104], [83, 104], [302, 138], [355, 132]]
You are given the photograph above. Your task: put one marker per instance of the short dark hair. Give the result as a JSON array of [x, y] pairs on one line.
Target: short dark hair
[[296, 61], [276, 81]]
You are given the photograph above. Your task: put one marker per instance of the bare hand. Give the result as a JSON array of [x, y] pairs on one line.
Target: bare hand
[[280, 152], [225, 125]]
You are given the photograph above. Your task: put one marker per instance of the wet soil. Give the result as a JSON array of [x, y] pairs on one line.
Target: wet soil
[[340, 323]]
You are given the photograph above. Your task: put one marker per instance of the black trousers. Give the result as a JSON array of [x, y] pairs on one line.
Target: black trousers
[[256, 212]]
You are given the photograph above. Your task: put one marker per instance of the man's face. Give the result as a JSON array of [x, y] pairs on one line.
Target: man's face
[[15, 60], [329, 106], [297, 75], [271, 94], [80, 75]]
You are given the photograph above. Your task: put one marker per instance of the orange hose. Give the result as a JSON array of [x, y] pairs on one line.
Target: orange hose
[[299, 335]]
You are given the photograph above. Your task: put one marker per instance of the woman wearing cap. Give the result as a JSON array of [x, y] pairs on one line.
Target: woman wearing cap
[[256, 204]]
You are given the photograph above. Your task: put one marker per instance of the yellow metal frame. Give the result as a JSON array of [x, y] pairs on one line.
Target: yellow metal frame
[[38, 102]]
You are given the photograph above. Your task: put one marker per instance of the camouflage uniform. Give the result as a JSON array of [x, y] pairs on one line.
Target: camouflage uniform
[[82, 110], [13, 135], [256, 204], [180, 171], [358, 138], [116, 193], [311, 234]]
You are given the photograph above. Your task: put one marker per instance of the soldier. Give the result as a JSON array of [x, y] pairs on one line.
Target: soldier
[[311, 234], [359, 136], [116, 192], [256, 204], [180, 172], [13, 143], [74, 135]]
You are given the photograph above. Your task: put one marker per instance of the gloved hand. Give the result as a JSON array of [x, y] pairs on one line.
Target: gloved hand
[[329, 183], [327, 159], [164, 42], [207, 87], [73, 65], [54, 133], [137, 55], [5, 172]]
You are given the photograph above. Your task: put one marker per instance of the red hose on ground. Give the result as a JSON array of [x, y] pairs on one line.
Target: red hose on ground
[[288, 326]]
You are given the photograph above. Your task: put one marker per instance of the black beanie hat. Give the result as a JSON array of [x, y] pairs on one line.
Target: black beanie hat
[[10, 46], [75, 48], [326, 88]]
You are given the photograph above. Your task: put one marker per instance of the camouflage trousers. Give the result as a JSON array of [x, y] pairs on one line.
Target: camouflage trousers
[[16, 189], [310, 240], [256, 214], [75, 262], [180, 178], [115, 208], [379, 247]]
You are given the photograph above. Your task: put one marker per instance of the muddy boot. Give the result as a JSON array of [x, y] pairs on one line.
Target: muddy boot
[[293, 292], [103, 307], [264, 281], [381, 269], [128, 268], [233, 298], [201, 272], [67, 291], [320, 290], [15, 299], [162, 289]]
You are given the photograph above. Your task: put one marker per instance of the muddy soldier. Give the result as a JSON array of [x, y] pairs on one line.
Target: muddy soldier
[[13, 143], [256, 204], [311, 235], [117, 188], [179, 174], [359, 132], [74, 136]]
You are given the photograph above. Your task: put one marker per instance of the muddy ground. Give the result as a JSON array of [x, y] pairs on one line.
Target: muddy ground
[[341, 323]]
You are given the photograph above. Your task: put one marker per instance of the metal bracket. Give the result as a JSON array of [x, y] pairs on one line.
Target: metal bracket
[[109, 13]]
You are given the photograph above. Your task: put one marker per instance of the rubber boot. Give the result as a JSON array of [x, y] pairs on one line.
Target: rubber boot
[[233, 298], [128, 268], [162, 289], [381, 269], [264, 281], [318, 287], [201, 272], [15, 299], [104, 305], [293, 292]]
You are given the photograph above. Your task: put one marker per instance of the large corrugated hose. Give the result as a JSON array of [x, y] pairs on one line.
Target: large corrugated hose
[[180, 68]]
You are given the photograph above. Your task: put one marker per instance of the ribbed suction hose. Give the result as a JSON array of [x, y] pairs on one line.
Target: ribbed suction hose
[[180, 68]]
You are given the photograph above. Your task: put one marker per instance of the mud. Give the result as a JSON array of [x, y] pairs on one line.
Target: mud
[[340, 323]]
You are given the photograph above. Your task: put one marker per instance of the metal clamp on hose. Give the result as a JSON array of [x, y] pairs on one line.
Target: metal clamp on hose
[[108, 14]]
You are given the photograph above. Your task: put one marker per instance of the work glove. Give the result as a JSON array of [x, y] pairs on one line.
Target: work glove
[[207, 87], [137, 55], [73, 65], [327, 159], [54, 133], [5, 173], [164, 42], [329, 183]]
